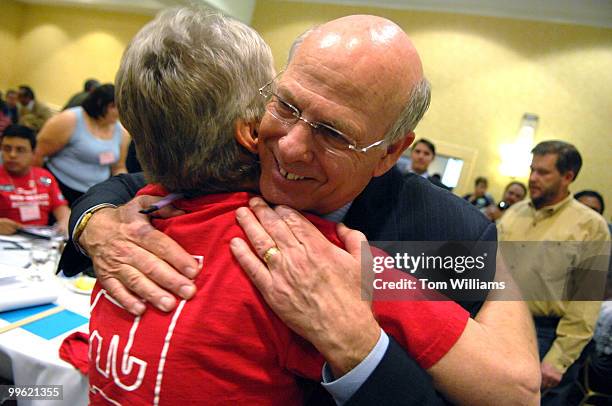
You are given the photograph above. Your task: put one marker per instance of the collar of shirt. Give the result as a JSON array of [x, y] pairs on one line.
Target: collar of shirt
[[337, 216], [422, 175], [548, 211]]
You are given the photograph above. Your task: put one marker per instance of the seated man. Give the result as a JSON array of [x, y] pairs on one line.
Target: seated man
[[225, 345], [513, 193], [28, 194], [32, 112], [480, 198]]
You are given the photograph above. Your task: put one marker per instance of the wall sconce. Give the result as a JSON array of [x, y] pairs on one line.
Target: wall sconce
[[516, 157]]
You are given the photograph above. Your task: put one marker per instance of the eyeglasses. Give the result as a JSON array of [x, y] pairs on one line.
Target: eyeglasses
[[289, 115]]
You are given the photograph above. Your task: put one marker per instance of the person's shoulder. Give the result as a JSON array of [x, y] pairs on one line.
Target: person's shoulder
[[38, 172], [588, 217], [41, 106], [517, 210], [578, 210], [64, 120], [152, 189], [44, 177], [435, 196], [444, 208], [518, 207]]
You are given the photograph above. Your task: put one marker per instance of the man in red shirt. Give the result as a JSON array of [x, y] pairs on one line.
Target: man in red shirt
[[27, 194]]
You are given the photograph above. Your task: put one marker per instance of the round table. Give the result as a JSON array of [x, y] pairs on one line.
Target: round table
[[28, 358]]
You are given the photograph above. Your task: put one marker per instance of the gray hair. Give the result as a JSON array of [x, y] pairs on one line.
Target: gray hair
[[298, 41], [411, 114], [184, 81]]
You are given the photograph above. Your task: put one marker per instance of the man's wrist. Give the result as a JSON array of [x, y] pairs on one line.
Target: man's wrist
[[345, 353], [344, 387], [82, 223]]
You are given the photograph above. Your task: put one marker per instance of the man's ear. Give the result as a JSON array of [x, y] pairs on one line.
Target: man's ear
[[568, 177], [393, 153], [246, 134]]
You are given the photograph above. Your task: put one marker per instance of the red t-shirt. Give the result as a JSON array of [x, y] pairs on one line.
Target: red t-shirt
[[225, 346], [30, 198]]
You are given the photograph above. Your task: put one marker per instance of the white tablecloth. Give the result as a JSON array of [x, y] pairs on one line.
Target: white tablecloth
[[28, 359]]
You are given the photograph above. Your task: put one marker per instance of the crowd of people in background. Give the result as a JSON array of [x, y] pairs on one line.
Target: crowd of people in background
[[571, 339], [49, 159], [21, 107]]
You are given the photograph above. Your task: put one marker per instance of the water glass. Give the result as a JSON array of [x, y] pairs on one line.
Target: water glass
[[41, 251]]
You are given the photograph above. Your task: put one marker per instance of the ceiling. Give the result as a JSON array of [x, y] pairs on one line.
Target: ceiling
[[583, 12]]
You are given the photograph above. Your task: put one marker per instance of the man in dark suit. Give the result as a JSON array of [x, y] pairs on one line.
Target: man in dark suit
[[311, 165]]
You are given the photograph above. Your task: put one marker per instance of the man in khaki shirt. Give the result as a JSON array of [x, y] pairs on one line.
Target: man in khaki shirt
[[564, 280]]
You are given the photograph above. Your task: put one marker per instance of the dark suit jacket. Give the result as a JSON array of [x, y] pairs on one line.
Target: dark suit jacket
[[391, 208]]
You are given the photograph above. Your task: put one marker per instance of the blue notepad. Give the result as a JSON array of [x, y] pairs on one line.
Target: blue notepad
[[49, 327]]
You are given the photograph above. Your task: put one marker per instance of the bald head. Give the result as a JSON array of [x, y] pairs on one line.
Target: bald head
[[372, 59], [361, 77]]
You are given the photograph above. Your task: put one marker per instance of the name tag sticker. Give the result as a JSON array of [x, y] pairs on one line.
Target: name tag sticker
[[28, 213], [106, 158]]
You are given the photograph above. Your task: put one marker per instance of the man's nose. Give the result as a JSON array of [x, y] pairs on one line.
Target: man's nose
[[297, 144]]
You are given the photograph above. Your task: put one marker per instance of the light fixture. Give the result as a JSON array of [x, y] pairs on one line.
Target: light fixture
[[516, 157]]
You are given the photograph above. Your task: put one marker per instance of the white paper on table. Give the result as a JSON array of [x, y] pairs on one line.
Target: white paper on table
[[17, 292], [9, 243], [14, 237], [10, 272]]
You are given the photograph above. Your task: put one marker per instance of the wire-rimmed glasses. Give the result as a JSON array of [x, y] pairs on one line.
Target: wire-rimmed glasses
[[289, 115]]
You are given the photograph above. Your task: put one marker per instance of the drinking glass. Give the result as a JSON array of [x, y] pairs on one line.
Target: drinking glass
[[40, 254]]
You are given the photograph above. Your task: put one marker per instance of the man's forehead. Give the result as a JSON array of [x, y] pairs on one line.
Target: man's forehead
[[314, 94], [544, 161], [7, 139], [545, 158]]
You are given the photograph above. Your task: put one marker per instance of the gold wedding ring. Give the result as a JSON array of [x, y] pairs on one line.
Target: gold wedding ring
[[270, 252]]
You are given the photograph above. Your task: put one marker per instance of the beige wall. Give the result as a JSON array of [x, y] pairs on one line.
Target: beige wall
[[57, 48], [487, 72], [11, 19]]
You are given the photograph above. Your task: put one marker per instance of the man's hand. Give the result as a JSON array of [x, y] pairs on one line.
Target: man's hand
[[62, 215], [131, 258], [550, 376], [312, 285], [8, 226], [493, 212]]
